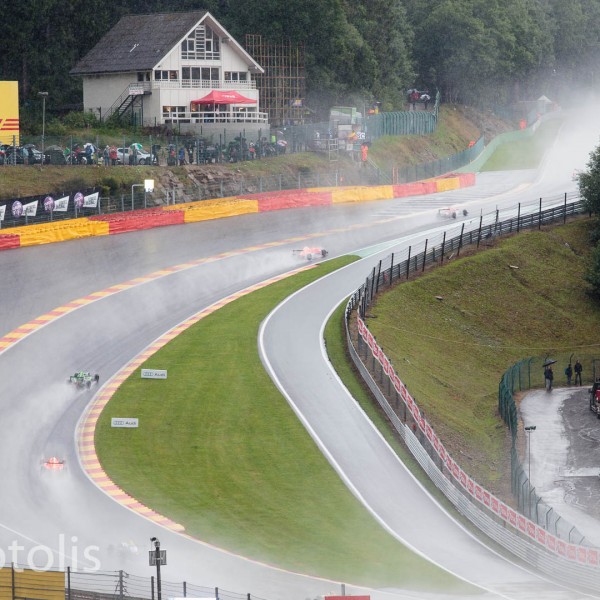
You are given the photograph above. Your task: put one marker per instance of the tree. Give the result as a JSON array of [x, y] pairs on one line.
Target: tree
[[589, 183]]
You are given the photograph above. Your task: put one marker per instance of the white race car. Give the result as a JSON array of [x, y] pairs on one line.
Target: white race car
[[451, 212]]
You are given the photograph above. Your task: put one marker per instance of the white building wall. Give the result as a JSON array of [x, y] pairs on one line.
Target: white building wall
[[101, 91]]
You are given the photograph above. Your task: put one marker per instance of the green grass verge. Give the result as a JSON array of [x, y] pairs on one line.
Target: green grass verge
[[526, 153], [220, 451]]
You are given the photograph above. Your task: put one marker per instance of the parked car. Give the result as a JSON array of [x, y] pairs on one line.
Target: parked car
[[130, 156], [23, 155]]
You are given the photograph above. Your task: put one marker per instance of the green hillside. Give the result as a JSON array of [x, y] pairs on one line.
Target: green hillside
[[452, 352]]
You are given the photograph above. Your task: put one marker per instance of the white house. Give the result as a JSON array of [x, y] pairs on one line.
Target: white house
[[182, 70]]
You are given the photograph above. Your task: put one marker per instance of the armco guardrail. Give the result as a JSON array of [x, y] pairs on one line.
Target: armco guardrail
[[551, 552]]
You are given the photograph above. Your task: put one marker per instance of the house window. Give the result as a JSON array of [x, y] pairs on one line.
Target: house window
[[210, 74], [236, 76], [165, 75], [201, 44]]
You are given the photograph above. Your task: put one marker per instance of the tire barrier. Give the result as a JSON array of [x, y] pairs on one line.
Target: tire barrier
[[204, 210]]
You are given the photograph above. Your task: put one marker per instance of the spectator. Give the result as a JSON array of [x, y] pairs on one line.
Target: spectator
[[113, 155], [364, 153], [425, 99], [569, 373], [181, 156], [414, 98], [578, 370], [548, 376], [106, 155]]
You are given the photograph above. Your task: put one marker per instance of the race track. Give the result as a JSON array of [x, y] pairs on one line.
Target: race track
[[40, 413]]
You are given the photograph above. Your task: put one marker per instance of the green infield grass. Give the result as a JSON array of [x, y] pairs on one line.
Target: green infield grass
[[220, 451]]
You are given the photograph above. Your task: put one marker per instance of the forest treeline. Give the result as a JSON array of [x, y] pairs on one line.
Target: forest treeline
[[478, 52]]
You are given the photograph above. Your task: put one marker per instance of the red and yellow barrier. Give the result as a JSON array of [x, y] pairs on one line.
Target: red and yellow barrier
[[204, 210], [58, 231], [139, 219]]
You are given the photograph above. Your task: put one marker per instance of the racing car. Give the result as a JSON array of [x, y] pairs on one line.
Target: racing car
[[310, 252], [54, 464], [83, 379], [450, 212]]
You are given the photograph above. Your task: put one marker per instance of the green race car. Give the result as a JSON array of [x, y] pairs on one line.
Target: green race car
[[83, 379]]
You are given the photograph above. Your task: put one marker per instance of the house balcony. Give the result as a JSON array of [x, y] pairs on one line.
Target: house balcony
[[219, 116], [206, 84]]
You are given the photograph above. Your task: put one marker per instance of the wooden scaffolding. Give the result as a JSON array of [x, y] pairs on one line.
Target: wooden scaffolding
[[282, 87]]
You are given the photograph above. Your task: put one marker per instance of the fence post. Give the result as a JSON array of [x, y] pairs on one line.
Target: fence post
[[460, 241], [479, 232], [443, 247], [565, 209], [518, 217], [152, 587], [68, 583], [424, 256], [392, 269], [184, 589], [121, 584], [408, 262], [540, 216]]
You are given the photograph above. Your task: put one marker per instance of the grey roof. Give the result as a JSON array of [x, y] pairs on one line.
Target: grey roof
[[137, 42]]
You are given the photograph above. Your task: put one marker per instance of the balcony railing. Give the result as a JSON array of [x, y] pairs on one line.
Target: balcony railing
[[178, 84], [221, 116]]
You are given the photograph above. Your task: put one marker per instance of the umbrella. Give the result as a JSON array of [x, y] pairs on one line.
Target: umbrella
[[548, 362], [136, 145]]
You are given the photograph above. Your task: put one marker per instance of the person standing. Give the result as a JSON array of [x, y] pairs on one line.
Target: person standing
[[364, 153], [549, 376], [569, 373], [578, 370]]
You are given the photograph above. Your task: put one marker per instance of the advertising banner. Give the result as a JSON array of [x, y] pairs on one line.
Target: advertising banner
[[90, 201], [62, 204], [30, 209], [9, 112]]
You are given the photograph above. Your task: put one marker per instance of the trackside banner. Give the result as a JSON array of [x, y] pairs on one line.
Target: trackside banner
[[581, 554]]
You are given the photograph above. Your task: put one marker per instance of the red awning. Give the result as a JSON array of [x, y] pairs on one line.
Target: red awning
[[220, 97]]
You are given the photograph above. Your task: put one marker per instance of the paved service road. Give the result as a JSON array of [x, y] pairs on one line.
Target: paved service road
[[40, 413]]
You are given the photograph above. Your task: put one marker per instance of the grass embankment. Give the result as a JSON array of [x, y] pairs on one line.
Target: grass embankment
[[456, 127], [526, 153], [452, 352], [220, 451]]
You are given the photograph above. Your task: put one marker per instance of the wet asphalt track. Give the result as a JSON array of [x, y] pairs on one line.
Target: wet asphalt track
[[39, 416]]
